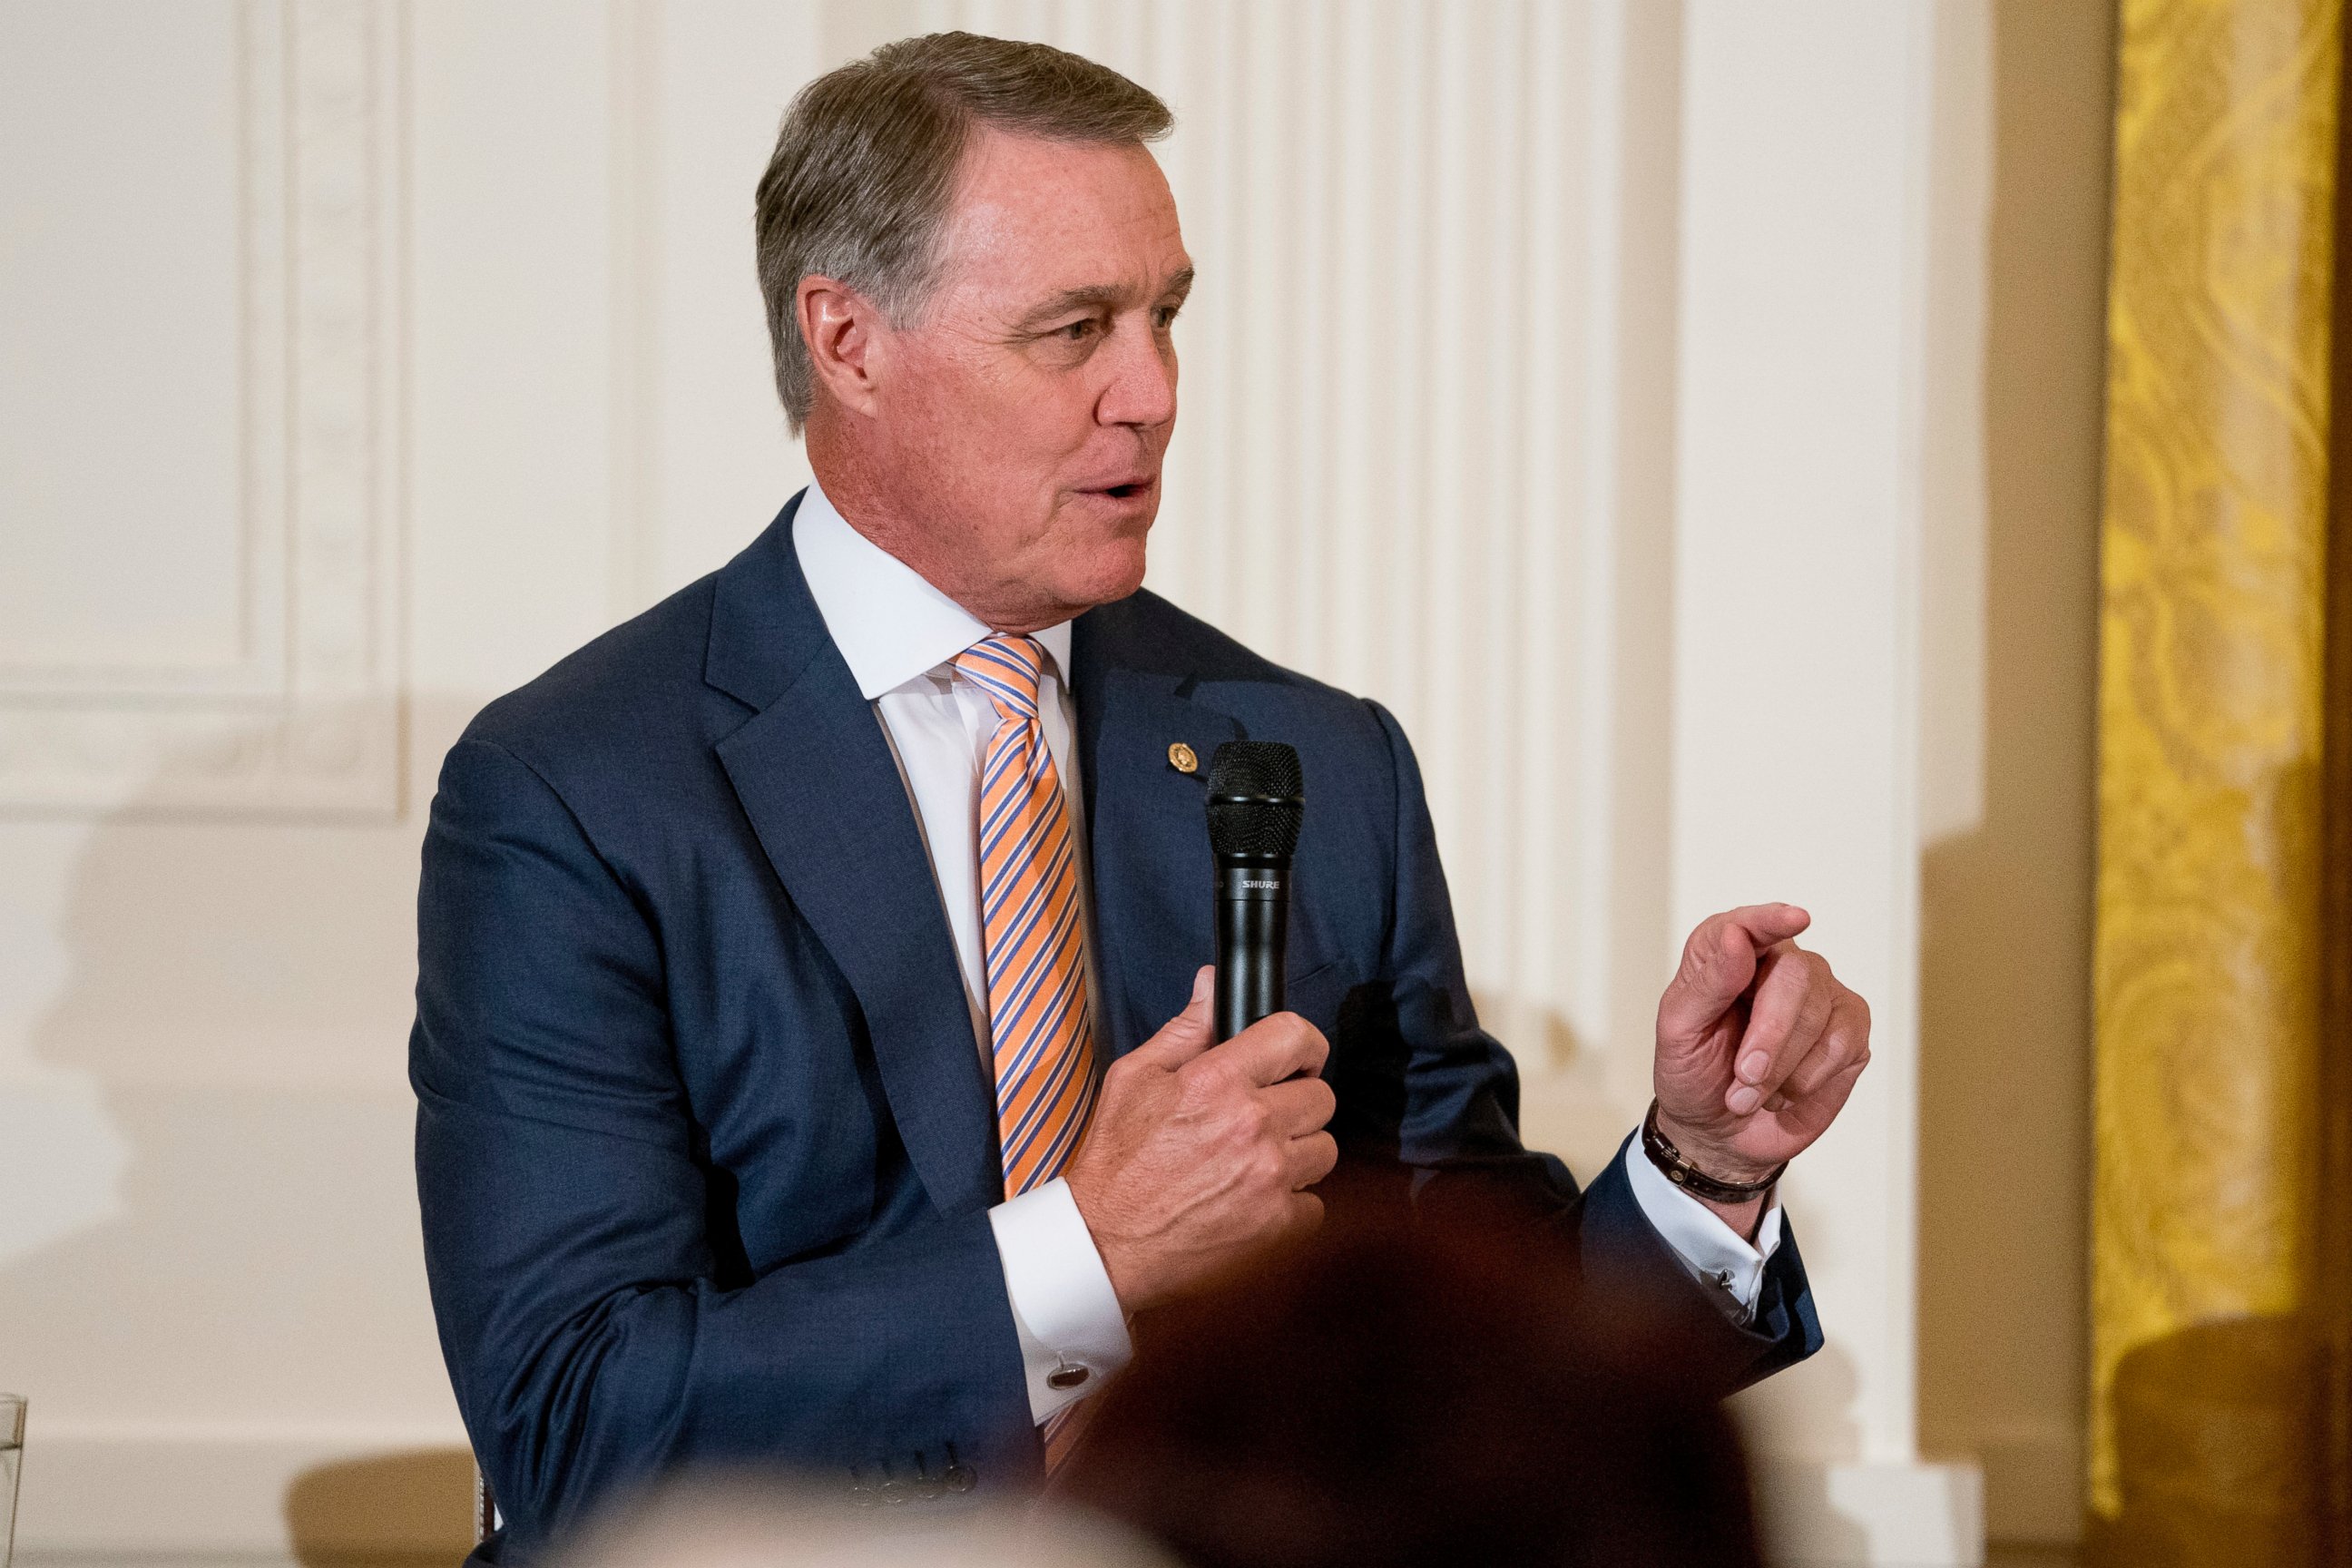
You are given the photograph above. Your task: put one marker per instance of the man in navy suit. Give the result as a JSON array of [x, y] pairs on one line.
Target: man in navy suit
[[722, 1058]]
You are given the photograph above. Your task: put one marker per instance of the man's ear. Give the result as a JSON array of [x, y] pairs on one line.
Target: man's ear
[[845, 334]]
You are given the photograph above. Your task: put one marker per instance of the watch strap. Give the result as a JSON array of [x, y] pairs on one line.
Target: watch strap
[[1677, 1168]]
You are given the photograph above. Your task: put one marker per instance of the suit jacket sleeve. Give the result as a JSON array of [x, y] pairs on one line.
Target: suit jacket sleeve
[[1457, 1131], [564, 1206]]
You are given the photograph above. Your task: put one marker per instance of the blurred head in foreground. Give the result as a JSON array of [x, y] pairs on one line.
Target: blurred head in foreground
[[1399, 1398], [747, 1522]]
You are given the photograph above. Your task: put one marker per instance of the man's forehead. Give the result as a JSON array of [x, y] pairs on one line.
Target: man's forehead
[[1043, 218]]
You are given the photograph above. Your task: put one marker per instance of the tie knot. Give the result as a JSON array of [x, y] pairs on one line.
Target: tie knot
[[1008, 668]]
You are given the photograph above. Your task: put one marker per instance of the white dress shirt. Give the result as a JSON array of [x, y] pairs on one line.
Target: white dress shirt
[[900, 635]]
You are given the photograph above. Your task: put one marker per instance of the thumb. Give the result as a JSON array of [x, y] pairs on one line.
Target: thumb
[[1719, 963], [1186, 1034]]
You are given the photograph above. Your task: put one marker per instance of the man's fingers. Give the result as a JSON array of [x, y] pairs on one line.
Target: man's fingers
[[1844, 1046], [1719, 963], [1186, 1036], [1299, 1106], [1812, 1113], [1275, 1047], [1308, 1161], [1784, 1022]]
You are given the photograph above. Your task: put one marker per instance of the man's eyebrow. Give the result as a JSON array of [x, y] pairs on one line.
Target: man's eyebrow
[[1097, 297]]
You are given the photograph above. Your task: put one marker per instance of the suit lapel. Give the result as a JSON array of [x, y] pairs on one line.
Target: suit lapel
[[1146, 829], [816, 778]]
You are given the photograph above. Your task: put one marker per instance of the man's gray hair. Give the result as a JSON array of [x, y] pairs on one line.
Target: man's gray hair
[[865, 168]]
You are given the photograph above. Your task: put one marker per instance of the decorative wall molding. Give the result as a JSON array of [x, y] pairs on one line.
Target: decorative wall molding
[[308, 718]]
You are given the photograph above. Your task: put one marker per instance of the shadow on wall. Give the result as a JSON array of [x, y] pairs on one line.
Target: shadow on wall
[[1799, 1519], [388, 1508], [2006, 901], [233, 1227]]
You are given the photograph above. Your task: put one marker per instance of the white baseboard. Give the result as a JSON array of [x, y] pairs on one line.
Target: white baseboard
[[225, 1494], [1826, 1515]]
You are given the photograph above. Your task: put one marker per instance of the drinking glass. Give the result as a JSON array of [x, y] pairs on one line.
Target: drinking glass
[[11, 1453]]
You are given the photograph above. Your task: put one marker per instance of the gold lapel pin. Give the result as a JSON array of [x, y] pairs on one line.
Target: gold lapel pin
[[1180, 757]]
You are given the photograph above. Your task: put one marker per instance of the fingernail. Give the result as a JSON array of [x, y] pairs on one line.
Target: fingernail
[[1202, 980], [1744, 1099], [1752, 1066]]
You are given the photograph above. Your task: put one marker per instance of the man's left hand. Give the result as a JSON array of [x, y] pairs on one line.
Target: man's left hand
[[1758, 1046]]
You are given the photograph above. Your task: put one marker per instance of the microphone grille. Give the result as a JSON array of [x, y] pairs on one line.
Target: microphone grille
[[1256, 800]]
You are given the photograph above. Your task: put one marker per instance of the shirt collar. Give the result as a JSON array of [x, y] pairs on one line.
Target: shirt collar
[[890, 623]]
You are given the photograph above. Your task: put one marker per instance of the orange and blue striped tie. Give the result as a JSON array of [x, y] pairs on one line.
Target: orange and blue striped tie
[[1031, 932], [1033, 940]]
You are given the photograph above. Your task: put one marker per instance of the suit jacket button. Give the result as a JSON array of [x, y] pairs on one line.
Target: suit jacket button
[[961, 1477], [1067, 1377]]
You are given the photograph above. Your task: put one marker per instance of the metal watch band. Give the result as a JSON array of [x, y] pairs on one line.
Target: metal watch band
[[1689, 1177]]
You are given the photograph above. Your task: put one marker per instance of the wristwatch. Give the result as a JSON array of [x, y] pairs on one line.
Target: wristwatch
[[1689, 1177]]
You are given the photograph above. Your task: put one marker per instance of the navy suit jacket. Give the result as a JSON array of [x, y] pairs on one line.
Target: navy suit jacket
[[705, 1147]]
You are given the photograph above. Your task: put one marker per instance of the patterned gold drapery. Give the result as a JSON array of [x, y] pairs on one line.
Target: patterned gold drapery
[[2211, 1416]]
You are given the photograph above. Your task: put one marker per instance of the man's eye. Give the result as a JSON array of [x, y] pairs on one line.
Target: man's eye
[[1166, 315], [1079, 332]]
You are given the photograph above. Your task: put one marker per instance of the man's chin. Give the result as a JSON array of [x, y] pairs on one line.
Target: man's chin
[[1112, 573], [1114, 586]]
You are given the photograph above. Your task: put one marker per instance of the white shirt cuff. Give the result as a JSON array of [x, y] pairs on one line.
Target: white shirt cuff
[[1064, 1309], [1714, 1253]]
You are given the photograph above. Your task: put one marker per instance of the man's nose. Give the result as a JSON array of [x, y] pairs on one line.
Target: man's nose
[[1142, 387]]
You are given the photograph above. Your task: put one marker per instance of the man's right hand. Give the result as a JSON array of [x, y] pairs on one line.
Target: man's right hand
[[1198, 1154]]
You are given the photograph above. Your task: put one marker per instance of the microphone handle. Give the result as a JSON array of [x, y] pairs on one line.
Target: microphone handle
[[1252, 930]]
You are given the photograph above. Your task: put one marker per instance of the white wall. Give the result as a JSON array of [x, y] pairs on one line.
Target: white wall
[[1558, 381], [1806, 369]]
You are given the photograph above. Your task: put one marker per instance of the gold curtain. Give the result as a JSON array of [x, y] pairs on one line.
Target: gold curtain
[[2218, 1306]]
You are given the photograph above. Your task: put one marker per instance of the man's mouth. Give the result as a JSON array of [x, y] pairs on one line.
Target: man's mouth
[[1122, 490]]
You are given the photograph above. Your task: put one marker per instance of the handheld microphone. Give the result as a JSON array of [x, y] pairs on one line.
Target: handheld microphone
[[1257, 797]]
